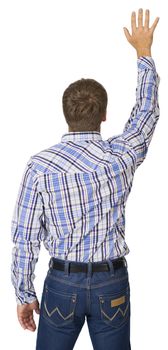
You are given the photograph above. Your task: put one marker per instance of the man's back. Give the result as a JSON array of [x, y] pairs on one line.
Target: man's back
[[84, 182]]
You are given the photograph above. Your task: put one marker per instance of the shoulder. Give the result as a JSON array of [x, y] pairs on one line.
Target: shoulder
[[119, 143], [44, 160]]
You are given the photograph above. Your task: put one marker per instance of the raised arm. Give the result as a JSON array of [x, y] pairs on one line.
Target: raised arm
[[139, 128]]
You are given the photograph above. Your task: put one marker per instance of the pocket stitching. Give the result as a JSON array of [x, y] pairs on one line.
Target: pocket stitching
[[56, 308], [125, 314], [69, 317], [118, 310]]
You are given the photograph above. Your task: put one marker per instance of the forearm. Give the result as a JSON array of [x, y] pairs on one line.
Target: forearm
[[22, 271], [146, 93], [147, 85], [139, 128]]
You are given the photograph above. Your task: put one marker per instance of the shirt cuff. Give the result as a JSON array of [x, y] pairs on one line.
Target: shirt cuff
[[146, 62], [26, 300]]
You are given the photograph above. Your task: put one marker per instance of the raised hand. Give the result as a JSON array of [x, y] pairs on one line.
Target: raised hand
[[142, 35]]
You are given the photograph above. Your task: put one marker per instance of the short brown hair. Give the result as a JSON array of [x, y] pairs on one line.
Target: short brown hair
[[84, 104]]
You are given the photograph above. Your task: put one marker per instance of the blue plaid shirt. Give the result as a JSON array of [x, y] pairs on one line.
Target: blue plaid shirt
[[72, 195]]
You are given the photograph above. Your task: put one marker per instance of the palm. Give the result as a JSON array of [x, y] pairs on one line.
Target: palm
[[142, 35]]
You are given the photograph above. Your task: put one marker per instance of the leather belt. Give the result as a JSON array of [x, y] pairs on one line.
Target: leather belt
[[83, 267]]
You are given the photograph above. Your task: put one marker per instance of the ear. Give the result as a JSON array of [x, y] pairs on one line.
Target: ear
[[104, 117]]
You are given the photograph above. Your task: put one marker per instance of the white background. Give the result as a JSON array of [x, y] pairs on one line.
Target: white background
[[46, 45]]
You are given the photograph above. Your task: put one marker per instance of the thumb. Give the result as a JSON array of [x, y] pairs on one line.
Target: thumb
[[36, 307], [37, 311], [127, 34]]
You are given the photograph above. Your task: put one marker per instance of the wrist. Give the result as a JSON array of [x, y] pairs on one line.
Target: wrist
[[143, 52]]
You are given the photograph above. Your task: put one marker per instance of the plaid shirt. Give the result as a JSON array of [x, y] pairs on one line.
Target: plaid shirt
[[73, 194]]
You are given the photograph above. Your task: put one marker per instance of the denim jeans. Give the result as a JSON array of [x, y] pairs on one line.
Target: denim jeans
[[67, 297]]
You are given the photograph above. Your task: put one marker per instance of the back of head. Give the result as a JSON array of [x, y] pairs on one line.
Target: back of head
[[84, 104]]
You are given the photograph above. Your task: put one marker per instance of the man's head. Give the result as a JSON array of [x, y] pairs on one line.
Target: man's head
[[84, 105]]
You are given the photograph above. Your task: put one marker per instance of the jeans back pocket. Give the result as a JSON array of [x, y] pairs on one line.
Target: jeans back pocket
[[58, 307], [115, 307]]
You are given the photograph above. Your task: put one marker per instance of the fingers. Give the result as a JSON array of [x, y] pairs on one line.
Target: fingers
[[27, 322], [30, 324], [154, 24], [147, 15], [22, 323], [127, 34], [133, 21], [140, 18]]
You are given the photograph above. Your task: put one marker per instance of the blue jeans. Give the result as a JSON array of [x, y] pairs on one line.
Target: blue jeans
[[67, 297]]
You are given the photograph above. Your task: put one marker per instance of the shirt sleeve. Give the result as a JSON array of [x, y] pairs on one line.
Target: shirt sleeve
[[27, 232], [139, 128]]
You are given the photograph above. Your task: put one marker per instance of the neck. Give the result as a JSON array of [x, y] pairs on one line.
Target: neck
[[71, 130]]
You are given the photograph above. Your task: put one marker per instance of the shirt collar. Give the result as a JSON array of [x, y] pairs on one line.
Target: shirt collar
[[81, 136]]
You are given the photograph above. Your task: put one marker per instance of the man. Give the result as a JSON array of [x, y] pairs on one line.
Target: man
[[72, 197]]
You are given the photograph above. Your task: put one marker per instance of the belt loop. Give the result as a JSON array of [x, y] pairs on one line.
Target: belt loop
[[66, 268], [111, 267], [89, 269], [50, 263], [126, 263]]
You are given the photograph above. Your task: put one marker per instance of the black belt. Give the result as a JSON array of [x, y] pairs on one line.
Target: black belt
[[82, 267]]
